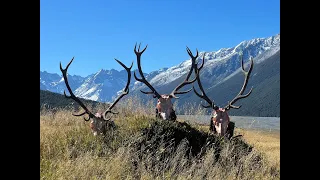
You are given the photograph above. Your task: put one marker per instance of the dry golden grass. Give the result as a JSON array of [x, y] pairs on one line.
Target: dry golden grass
[[68, 150], [268, 142]]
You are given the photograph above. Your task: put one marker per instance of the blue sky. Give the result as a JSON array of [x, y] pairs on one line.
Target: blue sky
[[96, 32]]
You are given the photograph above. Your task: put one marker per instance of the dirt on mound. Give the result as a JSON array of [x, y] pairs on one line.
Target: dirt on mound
[[166, 143]]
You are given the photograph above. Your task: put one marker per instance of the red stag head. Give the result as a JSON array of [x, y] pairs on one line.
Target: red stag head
[[99, 124], [164, 108], [220, 119]]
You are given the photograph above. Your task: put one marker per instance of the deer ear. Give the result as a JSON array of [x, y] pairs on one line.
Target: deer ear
[[170, 96]]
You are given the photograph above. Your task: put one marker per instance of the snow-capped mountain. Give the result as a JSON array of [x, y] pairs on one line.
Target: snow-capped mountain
[[103, 85], [55, 83], [219, 65]]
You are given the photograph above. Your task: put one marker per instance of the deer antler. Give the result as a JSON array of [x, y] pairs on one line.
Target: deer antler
[[143, 79], [72, 96], [240, 95], [186, 81], [125, 91], [203, 95]]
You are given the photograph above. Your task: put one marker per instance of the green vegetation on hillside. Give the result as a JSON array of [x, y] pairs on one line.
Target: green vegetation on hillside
[[51, 100]]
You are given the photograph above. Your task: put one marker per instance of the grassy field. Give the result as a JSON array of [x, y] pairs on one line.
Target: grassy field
[[268, 142], [68, 150]]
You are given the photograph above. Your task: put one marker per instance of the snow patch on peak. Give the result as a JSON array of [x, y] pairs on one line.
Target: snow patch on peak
[[221, 62]]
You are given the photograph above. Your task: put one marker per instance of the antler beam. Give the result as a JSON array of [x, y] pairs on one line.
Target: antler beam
[[143, 79], [125, 91], [186, 81], [72, 96], [203, 95], [240, 95]]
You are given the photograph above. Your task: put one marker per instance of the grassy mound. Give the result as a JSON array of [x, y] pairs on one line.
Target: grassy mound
[[167, 146], [143, 148], [171, 134]]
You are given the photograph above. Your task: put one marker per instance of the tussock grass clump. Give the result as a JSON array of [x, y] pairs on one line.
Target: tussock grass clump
[[173, 132], [167, 147]]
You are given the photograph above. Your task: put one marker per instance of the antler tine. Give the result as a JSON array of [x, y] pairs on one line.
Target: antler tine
[[143, 79], [203, 95], [240, 95], [186, 81], [81, 114], [125, 91], [191, 55], [201, 66], [139, 53], [72, 96], [86, 119]]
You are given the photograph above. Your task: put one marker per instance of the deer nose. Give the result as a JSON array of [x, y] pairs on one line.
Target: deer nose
[[164, 116]]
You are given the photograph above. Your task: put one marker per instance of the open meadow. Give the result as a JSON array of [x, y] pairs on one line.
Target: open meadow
[[143, 147]]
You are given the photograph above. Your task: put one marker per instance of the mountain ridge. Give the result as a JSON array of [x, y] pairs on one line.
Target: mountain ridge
[[220, 66]]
